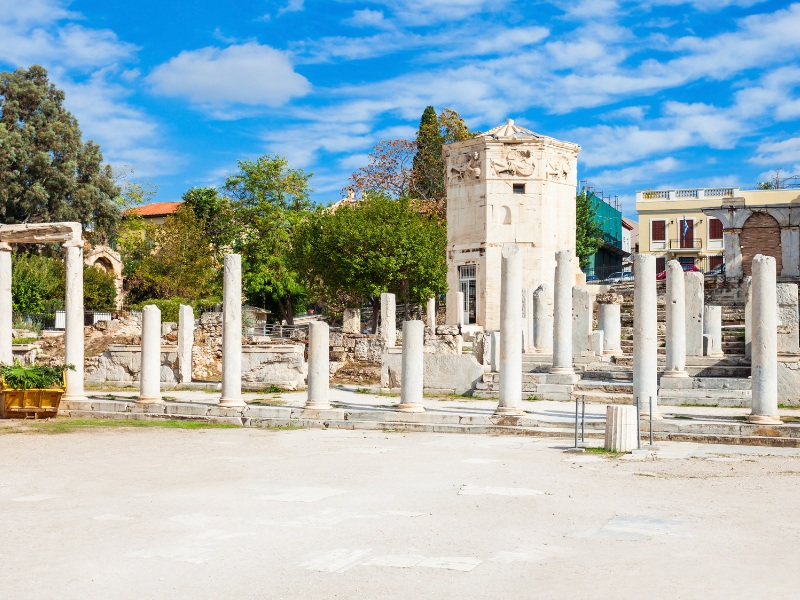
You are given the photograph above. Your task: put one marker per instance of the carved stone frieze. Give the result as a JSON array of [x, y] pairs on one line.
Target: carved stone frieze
[[558, 168], [464, 167], [513, 163]]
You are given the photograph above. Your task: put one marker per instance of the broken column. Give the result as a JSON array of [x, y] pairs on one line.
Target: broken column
[[693, 282], [543, 319], [388, 320], [581, 320], [6, 336], [609, 321], [645, 329], [411, 383], [676, 321], [788, 319], [620, 428], [712, 331], [351, 320], [748, 316], [562, 313], [232, 332], [150, 375], [431, 313], [185, 342], [73, 316], [764, 370], [318, 365], [527, 319], [510, 331]]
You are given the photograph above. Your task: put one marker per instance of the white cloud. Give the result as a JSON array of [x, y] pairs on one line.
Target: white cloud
[[291, 6], [33, 12], [778, 153], [368, 18], [427, 12], [638, 174], [249, 74]]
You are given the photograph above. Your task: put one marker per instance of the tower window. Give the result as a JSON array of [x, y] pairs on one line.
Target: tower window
[[519, 188]]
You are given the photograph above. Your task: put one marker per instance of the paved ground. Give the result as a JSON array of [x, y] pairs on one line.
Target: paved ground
[[247, 513]]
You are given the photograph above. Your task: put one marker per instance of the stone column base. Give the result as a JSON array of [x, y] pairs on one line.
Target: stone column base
[[231, 402], [675, 374], [156, 400], [562, 371], [764, 419], [411, 408], [507, 411], [74, 398], [317, 406]]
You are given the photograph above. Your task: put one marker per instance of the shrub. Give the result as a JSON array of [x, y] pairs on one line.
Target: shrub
[[18, 377], [37, 283], [169, 307], [99, 289]]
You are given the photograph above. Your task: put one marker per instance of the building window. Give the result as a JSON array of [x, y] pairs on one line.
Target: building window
[[468, 285], [714, 229], [519, 188], [686, 232], [661, 264], [658, 235], [715, 261]]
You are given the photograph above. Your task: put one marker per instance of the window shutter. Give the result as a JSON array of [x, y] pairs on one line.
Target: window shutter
[[658, 231]]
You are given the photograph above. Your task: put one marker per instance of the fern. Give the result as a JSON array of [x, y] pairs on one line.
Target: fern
[[40, 377]]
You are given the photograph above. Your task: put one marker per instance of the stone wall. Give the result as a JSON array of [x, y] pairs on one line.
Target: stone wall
[[123, 363]]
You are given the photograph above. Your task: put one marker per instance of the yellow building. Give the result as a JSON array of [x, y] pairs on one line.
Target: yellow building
[[709, 227]]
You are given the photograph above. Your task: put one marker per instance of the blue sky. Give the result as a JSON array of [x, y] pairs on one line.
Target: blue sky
[[666, 93]]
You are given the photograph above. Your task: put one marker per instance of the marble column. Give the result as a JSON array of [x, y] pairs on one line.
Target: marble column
[[351, 320], [411, 383], [748, 316], [764, 378], [73, 329], [733, 253], [150, 375], [6, 336], [318, 366], [494, 351], [581, 320], [527, 301], [543, 319], [185, 342], [510, 329], [712, 330], [645, 329], [676, 321], [609, 321], [562, 313], [431, 313], [693, 283], [460, 313], [232, 332], [388, 320]]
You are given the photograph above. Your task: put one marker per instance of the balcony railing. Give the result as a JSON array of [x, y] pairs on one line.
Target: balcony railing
[[685, 244], [693, 194]]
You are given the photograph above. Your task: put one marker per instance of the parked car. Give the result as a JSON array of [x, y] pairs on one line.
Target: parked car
[[619, 277], [686, 269], [719, 270]]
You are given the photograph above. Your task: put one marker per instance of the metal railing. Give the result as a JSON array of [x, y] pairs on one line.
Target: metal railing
[[686, 244]]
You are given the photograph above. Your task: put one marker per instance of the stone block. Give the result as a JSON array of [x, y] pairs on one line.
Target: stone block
[[620, 428], [581, 320]]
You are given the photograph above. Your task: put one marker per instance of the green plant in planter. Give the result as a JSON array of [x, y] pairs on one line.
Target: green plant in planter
[[40, 377]]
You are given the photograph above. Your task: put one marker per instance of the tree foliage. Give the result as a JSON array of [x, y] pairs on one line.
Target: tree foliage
[[389, 170], [270, 198], [37, 283], [373, 246], [175, 259], [428, 162], [99, 289], [47, 173], [588, 233], [217, 214]]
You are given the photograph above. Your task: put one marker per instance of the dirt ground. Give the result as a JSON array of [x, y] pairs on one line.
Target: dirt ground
[[158, 512]]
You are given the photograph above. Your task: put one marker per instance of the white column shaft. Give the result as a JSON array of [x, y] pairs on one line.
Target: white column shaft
[[431, 313], [609, 321], [6, 353], [645, 326], [562, 313], [185, 342], [543, 319], [712, 329], [232, 332], [411, 383], [73, 328], [764, 379], [388, 327], [150, 375], [676, 321], [510, 330], [318, 365]]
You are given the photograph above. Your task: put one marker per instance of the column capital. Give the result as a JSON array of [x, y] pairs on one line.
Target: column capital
[[73, 244], [5, 247]]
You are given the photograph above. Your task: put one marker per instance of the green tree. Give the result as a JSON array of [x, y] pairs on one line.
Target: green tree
[[428, 163], [37, 283], [47, 173], [217, 214], [588, 233], [99, 289], [373, 246], [174, 260], [270, 197]]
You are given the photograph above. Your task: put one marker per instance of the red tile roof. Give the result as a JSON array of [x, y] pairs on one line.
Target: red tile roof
[[156, 209]]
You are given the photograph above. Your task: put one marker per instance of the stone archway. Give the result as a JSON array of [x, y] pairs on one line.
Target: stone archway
[[761, 234]]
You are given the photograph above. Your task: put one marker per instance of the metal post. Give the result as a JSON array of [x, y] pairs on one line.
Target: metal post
[[583, 419], [638, 426], [576, 421], [651, 421]]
